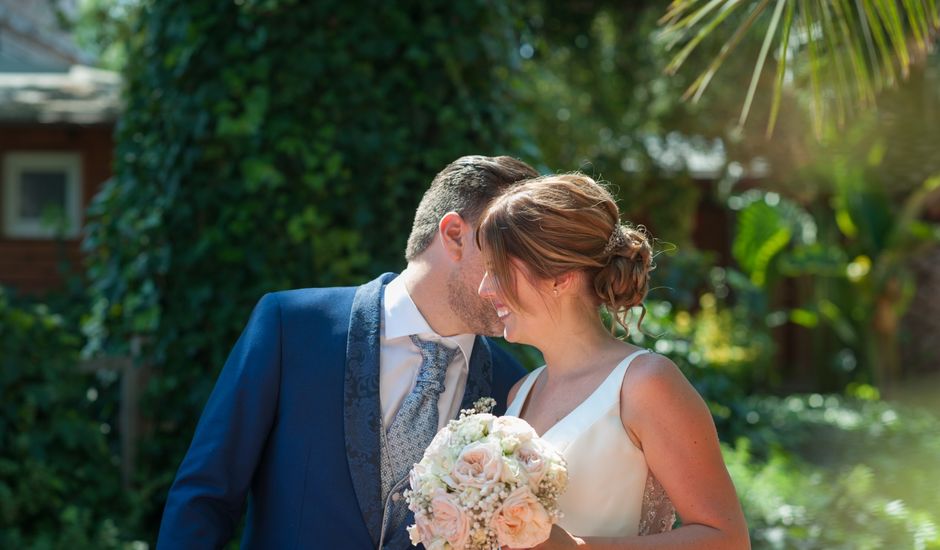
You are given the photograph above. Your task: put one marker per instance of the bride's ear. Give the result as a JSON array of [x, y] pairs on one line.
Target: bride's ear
[[566, 282]]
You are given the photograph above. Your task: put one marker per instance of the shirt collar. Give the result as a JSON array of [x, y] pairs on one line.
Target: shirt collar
[[402, 318]]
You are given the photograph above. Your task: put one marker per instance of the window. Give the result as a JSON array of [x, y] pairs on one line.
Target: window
[[42, 195]]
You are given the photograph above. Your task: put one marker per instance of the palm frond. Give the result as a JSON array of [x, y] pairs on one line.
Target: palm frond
[[781, 68], [761, 58], [850, 49]]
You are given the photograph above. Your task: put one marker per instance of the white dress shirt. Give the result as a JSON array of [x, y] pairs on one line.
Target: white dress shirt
[[400, 359]]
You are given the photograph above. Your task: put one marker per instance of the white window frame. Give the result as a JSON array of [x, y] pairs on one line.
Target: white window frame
[[17, 162]]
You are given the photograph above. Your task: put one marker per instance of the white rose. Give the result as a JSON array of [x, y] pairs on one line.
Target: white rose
[[421, 530], [513, 427], [423, 479], [522, 521], [479, 464], [414, 535], [441, 464], [439, 443], [512, 471]]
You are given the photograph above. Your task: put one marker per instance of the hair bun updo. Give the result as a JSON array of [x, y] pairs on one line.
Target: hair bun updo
[[622, 283]]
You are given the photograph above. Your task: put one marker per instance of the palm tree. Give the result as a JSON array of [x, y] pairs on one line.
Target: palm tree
[[851, 49]]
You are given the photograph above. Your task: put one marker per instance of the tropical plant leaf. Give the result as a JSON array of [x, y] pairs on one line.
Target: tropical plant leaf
[[818, 260], [762, 233]]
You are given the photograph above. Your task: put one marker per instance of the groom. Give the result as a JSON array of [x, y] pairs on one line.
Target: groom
[[303, 415]]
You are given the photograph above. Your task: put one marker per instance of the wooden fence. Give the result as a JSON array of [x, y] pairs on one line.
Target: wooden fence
[[134, 372]]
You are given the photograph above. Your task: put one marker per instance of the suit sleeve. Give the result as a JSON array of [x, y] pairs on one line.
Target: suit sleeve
[[207, 497]]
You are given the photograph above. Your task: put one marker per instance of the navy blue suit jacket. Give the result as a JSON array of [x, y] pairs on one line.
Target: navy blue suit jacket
[[293, 423]]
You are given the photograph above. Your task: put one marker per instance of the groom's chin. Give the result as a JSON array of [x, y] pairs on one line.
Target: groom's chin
[[485, 322], [496, 331], [490, 327], [494, 325]]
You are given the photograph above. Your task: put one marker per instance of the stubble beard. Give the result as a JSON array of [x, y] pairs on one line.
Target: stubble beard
[[478, 315]]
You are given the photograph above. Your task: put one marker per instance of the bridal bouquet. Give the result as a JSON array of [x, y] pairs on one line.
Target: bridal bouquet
[[485, 482]]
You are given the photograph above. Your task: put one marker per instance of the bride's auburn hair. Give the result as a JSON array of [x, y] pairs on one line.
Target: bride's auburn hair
[[562, 223]]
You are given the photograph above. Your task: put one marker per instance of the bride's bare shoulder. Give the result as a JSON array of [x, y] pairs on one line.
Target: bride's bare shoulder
[[650, 367], [653, 380]]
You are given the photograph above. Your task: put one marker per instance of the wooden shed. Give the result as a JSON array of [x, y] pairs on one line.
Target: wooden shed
[[57, 118]]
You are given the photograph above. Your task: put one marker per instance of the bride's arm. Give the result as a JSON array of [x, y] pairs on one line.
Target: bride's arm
[[677, 434], [664, 413]]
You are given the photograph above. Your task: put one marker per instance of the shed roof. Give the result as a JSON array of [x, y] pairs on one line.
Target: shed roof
[[80, 95]]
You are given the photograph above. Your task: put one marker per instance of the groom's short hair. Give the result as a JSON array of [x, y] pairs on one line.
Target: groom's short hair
[[465, 186]]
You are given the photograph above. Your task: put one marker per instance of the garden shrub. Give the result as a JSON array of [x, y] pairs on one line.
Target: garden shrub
[[899, 445], [792, 504], [825, 471], [60, 484]]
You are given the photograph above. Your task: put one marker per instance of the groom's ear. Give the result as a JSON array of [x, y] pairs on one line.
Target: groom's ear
[[454, 233]]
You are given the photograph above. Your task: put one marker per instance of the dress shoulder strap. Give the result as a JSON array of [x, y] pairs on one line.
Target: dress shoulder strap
[[516, 406], [611, 386]]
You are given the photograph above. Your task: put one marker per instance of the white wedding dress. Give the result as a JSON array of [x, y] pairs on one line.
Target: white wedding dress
[[610, 489]]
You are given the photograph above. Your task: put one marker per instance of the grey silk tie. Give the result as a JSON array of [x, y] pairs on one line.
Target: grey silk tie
[[415, 425]]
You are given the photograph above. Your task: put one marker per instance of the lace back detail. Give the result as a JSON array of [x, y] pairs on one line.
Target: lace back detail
[[658, 515]]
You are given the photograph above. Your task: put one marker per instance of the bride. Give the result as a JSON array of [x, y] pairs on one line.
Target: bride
[[640, 443]]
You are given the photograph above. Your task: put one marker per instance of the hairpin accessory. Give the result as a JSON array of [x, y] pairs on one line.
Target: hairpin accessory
[[616, 241]]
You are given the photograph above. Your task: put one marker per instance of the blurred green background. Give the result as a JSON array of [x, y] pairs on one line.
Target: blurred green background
[[273, 144]]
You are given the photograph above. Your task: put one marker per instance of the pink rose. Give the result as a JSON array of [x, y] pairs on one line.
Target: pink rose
[[531, 455], [479, 464], [448, 519], [522, 522]]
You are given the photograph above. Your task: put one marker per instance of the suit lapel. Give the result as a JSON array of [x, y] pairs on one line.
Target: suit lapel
[[362, 415]]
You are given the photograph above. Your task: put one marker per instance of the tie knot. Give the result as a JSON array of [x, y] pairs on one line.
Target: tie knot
[[435, 357]]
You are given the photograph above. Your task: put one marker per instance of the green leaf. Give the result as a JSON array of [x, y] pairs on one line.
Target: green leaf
[[804, 317], [761, 234]]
